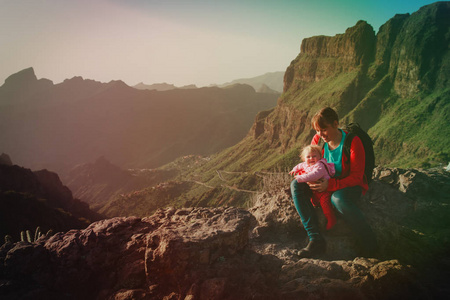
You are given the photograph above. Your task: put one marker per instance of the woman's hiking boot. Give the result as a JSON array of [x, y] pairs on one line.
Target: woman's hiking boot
[[314, 249]]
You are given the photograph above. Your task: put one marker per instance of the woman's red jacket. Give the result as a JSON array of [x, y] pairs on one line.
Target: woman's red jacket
[[352, 167]]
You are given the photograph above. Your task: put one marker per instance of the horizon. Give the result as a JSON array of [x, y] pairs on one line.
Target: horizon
[[200, 42]]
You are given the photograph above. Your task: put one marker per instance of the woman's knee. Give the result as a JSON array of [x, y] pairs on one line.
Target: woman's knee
[[346, 198], [298, 186], [338, 195], [300, 191], [294, 184], [337, 200]]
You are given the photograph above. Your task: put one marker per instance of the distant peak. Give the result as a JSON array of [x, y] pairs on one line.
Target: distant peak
[[26, 75], [117, 83], [74, 79], [241, 87], [5, 160], [102, 160], [266, 89]]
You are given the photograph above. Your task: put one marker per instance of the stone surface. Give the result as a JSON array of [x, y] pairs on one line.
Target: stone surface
[[231, 253]]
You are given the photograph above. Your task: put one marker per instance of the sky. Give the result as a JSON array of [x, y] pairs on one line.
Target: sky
[[174, 41]]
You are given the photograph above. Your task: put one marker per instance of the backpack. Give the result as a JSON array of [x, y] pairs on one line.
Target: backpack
[[353, 130]]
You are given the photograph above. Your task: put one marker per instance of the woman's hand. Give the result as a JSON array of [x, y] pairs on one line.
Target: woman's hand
[[320, 185]]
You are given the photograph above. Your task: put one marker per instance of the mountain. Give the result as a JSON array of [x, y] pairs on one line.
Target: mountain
[[267, 83], [30, 199], [161, 86], [395, 84], [74, 122], [273, 80], [20, 86], [5, 160], [370, 79], [265, 89], [100, 182]]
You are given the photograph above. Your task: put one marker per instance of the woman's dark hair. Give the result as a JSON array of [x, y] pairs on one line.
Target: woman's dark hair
[[325, 116]]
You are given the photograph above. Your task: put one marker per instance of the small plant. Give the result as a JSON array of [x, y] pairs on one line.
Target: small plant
[[29, 240], [26, 236], [8, 239], [37, 233]]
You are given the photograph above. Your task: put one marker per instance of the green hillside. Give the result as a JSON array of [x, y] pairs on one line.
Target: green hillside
[[394, 83]]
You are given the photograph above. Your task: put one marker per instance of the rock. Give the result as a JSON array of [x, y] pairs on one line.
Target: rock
[[397, 202], [205, 250], [197, 253], [231, 253], [331, 55], [31, 199], [276, 213], [425, 29]]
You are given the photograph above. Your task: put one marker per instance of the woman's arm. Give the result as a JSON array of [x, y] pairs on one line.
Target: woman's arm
[[357, 165]]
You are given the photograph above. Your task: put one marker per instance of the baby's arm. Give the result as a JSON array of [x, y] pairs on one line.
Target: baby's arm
[[296, 169], [317, 173]]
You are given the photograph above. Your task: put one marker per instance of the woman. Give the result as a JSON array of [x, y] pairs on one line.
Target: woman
[[347, 186]]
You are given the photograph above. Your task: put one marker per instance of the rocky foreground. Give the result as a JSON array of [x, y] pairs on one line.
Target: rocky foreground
[[231, 253]]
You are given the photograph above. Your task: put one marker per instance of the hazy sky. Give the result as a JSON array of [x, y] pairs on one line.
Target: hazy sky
[[175, 41]]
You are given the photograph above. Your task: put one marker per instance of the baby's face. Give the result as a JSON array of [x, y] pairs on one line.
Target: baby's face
[[312, 157]]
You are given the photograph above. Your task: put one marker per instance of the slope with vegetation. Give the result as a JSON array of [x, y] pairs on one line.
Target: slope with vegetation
[[394, 84]]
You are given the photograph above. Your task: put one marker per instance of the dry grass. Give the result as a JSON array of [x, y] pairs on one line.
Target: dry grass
[[276, 181]]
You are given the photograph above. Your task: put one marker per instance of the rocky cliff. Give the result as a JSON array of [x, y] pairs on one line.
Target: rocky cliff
[[393, 83], [31, 199], [324, 56], [230, 253]]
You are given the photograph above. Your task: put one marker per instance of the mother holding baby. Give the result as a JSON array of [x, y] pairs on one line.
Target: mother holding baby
[[346, 186]]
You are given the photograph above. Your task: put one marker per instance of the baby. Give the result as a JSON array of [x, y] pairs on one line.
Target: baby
[[313, 168]]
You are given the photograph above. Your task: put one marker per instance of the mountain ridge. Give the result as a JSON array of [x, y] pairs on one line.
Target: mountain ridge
[[162, 86], [80, 120], [274, 80]]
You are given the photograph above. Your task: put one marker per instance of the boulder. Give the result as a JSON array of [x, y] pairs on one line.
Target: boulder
[[188, 253]]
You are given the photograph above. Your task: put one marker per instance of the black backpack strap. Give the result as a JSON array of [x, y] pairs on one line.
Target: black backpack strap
[[326, 168], [348, 144], [321, 143]]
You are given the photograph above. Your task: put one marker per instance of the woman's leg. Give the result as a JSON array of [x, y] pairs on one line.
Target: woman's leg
[[301, 194], [345, 202]]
